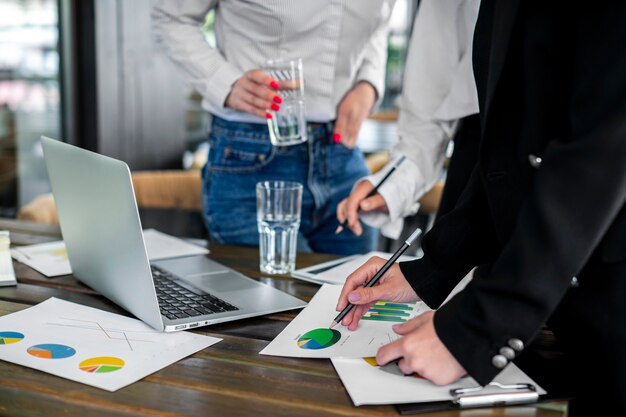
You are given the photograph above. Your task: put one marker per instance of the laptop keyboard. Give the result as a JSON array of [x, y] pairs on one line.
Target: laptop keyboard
[[177, 302]]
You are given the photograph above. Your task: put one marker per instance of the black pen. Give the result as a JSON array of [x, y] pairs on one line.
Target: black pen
[[374, 190], [380, 273]]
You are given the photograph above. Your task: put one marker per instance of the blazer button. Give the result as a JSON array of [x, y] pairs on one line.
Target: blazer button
[[508, 353], [574, 282], [499, 361], [516, 344], [535, 161]]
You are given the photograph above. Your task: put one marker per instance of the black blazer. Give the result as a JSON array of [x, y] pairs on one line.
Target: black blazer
[[547, 196]]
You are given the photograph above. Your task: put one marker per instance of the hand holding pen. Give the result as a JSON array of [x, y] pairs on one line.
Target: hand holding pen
[[354, 291], [357, 201]]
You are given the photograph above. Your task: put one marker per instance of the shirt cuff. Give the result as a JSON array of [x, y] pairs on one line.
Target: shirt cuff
[[372, 76], [218, 87]]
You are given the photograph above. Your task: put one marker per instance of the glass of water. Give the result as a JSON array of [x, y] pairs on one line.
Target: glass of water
[[278, 217], [288, 125]]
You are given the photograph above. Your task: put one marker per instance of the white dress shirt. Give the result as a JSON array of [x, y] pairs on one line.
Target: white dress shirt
[[341, 42], [438, 90]]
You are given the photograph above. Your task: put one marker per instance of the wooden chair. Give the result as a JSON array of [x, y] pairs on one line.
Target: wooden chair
[[174, 189]]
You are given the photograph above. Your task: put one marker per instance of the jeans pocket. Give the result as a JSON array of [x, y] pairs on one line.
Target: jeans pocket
[[238, 154]]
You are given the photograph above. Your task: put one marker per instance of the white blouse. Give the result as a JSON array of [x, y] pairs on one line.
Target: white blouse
[[341, 42]]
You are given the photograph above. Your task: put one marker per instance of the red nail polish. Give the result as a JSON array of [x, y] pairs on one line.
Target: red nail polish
[[275, 107], [274, 85], [337, 138], [277, 99], [268, 115]]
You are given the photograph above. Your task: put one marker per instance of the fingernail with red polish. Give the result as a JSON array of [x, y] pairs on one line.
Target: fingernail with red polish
[[268, 115], [274, 85], [277, 99], [337, 138], [275, 107]]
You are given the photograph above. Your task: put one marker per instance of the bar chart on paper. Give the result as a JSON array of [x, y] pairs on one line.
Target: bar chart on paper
[[309, 335], [390, 311]]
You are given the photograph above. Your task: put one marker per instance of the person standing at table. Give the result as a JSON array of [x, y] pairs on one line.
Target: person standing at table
[[438, 102], [543, 217], [343, 45]]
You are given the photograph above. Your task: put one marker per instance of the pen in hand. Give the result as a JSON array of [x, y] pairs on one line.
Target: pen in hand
[[380, 273], [374, 191]]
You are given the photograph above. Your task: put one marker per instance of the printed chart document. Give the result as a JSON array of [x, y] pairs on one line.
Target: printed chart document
[[368, 383], [308, 335], [91, 346], [336, 271], [50, 259]]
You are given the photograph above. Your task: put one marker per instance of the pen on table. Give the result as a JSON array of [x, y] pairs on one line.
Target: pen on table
[[380, 273], [374, 190]]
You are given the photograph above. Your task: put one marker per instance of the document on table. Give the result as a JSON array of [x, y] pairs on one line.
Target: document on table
[[50, 259], [336, 271], [7, 274], [91, 346], [368, 383], [308, 335]]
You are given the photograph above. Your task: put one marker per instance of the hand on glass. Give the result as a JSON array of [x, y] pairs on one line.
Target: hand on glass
[[421, 351], [351, 112], [349, 207], [254, 93], [392, 286]]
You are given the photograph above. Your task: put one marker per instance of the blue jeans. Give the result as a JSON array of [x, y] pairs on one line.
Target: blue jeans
[[240, 155]]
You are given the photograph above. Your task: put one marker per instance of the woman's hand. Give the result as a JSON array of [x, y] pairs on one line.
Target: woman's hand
[[420, 350], [254, 93], [392, 286], [351, 112]]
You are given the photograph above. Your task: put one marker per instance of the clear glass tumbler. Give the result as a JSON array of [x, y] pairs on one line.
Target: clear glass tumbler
[[279, 204], [288, 125]]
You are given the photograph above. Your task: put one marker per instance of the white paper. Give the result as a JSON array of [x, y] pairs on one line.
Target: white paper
[[337, 275], [319, 314], [7, 274], [50, 259], [371, 384], [113, 351], [162, 246]]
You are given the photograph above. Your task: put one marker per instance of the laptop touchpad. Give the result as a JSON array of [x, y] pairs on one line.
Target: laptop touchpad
[[219, 282]]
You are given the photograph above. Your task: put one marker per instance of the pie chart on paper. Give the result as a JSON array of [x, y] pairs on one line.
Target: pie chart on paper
[[319, 339], [51, 351], [102, 364], [7, 338]]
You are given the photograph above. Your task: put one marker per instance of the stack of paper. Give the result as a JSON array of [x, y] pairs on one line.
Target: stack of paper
[[353, 353]]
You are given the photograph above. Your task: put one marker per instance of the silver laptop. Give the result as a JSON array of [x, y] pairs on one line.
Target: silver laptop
[[102, 232]]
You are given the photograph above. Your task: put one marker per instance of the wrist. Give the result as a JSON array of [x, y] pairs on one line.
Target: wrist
[[368, 88]]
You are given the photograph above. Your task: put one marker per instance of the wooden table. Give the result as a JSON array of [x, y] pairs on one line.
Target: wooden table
[[227, 379]]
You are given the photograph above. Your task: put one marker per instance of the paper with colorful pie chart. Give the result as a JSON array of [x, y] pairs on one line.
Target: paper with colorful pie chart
[[91, 346], [308, 335]]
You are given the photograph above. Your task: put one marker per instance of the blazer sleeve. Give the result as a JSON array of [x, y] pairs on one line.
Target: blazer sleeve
[[453, 246], [575, 199]]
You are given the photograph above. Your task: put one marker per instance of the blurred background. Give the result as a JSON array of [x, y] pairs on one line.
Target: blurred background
[[89, 72]]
